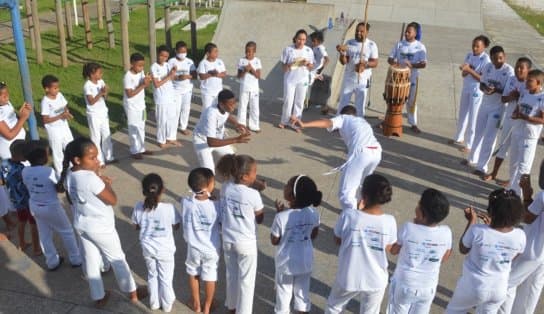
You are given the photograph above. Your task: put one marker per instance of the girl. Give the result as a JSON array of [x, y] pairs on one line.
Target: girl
[[155, 220], [95, 92], [241, 208], [92, 197], [491, 247], [211, 72], [293, 230], [365, 236]]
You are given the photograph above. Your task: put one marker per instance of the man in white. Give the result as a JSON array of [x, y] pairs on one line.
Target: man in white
[[183, 87]]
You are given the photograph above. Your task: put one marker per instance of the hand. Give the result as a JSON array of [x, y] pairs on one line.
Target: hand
[[243, 138], [248, 68], [297, 122], [172, 73], [279, 206], [465, 67], [25, 110], [360, 67], [107, 180], [341, 48], [484, 217], [408, 64], [104, 90], [212, 72], [66, 115], [242, 129], [147, 80], [514, 94], [525, 185], [470, 215]]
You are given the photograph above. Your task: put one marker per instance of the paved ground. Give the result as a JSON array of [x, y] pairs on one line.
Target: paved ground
[[412, 163]]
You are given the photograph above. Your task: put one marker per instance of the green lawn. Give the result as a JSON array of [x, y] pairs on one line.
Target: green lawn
[[532, 17], [71, 79]]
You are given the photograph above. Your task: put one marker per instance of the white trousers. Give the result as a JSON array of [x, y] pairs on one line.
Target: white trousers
[[355, 170], [505, 137], [136, 130], [525, 285], [49, 219], [167, 121], [411, 106], [487, 127], [208, 100], [522, 155], [241, 270], [370, 300], [251, 99], [407, 300], [204, 153], [160, 275], [289, 286], [58, 139], [350, 87], [5, 202], [183, 108], [471, 99], [94, 245], [293, 101], [466, 296], [99, 132]]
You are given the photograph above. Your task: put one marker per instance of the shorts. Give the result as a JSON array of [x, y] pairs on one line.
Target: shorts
[[24, 215], [202, 264]]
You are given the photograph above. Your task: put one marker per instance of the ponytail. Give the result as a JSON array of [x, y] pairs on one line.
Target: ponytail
[[152, 187], [234, 167]]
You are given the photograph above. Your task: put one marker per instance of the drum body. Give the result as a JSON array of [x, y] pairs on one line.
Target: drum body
[[397, 90]]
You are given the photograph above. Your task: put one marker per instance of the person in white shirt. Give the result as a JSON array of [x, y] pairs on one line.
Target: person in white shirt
[[95, 92], [156, 221], [135, 82], [297, 62], [55, 116], [241, 211], [410, 53], [321, 59], [201, 219], [491, 248], [365, 235], [293, 231], [423, 245], [183, 87], [249, 73], [211, 71]]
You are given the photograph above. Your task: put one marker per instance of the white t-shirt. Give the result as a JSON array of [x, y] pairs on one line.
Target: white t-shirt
[[183, 67], [132, 81], [248, 82], [295, 252], [90, 213], [201, 224], [492, 76], [362, 259], [531, 105], [489, 261], [238, 206], [297, 74], [477, 63], [211, 124], [319, 56], [99, 107], [421, 254], [8, 115], [212, 85], [156, 235], [41, 184], [414, 52], [355, 132], [52, 108], [535, 231], [164, 93], [512, 84], [370, 51]]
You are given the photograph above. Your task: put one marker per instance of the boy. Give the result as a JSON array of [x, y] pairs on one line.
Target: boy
[[321, 60], [135, 82], [55, 116], [211, 71], [183, 87], [249, 73]]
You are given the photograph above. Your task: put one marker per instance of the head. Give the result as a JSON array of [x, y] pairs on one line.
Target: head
[[201, 181], [505, 208], [163, 54], [137, 62], [535, 79], [433, 207], [83, 155], [4, 94], [226, 101], [181, 50], [251, 49], [361, 31], [92, 71], [211, 51], [19, 150], [317, 38], [498, 57], [479, 43], [152, 188], [300, 38], [301, 191], [376, 190], [411, 31], [38, 153], [349, 109], [242, 169], [51, 85], [522, 68]]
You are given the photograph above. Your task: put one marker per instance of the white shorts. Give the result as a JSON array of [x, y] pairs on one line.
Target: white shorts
[[202, 264]]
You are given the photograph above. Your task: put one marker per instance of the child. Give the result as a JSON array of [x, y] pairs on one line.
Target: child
[[249, 73], [155, 220], [55, 116], [491, 248], [471, 95], [46, 208], [423, 245], [209, 135], [183, 87], [321, 60], [293, 231], [241, 210], [211, 71], [135, 82], [92, 197], [163, 95], [95, 92], [201, 232], [410, 53], [365, 235]]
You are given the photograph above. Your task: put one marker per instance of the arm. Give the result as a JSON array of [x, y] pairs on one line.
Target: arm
[[472, 219], [395, 248], [527, 191], [259, 216], [10, 134], [158, 82], [446, 256], [538, 119], [513, 96], [315, 232], [274, 240], [133, 92], [215, 142], [240, 128], [322, 124], [107, 195], [92, 100], [66, 115], [467, 70]]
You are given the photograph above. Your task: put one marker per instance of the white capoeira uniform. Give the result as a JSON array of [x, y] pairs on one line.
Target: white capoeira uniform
[[98, 120], [294, 257], [249, 94], [183, 90], [505, 136], [357, 83], [489, 116], [135, 111], [165, 106], [210, 87], [158, 249], [471, 99], [319, 57], [58, 132]]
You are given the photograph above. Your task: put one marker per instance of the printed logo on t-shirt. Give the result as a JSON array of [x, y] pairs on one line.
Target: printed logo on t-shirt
[[234, 208], [298, 232]]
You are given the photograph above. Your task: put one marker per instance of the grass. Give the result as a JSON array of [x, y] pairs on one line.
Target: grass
[[71, 80], [533, 17]]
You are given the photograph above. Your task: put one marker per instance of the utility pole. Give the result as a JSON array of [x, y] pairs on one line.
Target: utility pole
[[152, 32], [124, 34], [192, 18], [61, 33]]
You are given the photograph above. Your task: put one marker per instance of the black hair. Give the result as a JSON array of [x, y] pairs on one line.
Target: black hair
[[434, 205], [541, 175], [414, 25], [496, 49], [225, 95], [349, 109], [181, 44], [3, 85], [89, 68], [317, 35], [376, 190], [199, 178], [37, 152], [525, 60], [251, 44], [209, 47], [75, 148], [162, 48], [49, 80], [538, 74], [300, 31], [505, 208], [234, 167], [19, 148], [135, 57], [483, 39], [365, 24], [152, 186], [304, 191]]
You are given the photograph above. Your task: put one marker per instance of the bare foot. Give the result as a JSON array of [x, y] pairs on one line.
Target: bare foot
[[102, 302], [464, 150], [415, 129], [193, 306], [488, 177], [185, 132], [281, 126], [164, 145], [175, 143]]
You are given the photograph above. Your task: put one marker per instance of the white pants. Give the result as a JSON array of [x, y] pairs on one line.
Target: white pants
[[99, 132], [293, 101], [49, 219], [411, 107], [505, 137], [407, 300], [487, 127], [204, 153], [471, 99], [354, 171], [349, 87], [183, 109], [160, 274], [136, 130], [94, 245], [208, 100], [525, 285], [466, 296], [522, 155], [201, 264], [251, 99], [58, 139], [167, 122], [370, 300], [288, 286], [241, 270]]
